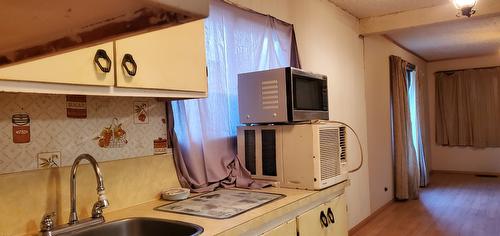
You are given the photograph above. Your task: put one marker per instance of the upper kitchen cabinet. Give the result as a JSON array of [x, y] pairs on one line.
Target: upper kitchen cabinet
[[88, 66], [36, 29], [172, 59], [163, 63]]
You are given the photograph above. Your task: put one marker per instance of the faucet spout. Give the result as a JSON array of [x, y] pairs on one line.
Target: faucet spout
[[102, 201]]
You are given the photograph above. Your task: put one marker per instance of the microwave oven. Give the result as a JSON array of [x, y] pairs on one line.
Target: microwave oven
[[282, 95], [302, 156]]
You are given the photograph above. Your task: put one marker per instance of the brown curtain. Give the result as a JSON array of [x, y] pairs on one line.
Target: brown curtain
[[468, 107], [406, 172]]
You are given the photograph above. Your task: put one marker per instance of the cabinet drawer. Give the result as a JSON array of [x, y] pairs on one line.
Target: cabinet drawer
[[76, 67], [310, 222], [172, 59]]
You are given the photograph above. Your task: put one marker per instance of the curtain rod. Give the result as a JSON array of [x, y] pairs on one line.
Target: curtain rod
[[410, 66], [476, 68]]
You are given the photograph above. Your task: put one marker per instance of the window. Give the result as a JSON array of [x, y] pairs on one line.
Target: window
[[412, 104], [237, 41]]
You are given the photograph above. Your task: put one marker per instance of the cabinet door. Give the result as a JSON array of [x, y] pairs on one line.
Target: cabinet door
[[287, 229], [172, 59], [310, 222], [339, 209], [76, 67]]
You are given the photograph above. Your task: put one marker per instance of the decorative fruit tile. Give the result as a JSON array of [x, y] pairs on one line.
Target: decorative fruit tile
[[112, 136], [141, 112]]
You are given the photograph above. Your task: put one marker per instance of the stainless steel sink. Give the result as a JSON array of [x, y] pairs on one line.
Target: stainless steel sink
[[140, 227]]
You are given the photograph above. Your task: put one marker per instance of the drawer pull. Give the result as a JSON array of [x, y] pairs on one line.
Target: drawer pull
[[330, 215], [128, 59], [101, 54], [323, 219]]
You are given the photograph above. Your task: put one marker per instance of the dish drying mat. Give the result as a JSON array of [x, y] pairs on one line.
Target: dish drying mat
[[221, 204]]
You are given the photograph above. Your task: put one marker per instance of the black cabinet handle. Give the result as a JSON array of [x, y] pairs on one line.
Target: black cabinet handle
[[330, 215], [128, 59], [101, 54], [323, 219]]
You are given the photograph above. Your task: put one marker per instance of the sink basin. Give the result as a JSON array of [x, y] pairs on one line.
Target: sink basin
[[140, 227]]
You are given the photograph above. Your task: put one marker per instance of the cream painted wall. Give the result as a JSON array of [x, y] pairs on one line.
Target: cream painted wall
[[377, 52], [460, 158], [328, 43]]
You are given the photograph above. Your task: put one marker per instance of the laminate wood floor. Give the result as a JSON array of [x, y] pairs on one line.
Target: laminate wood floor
[[453, 204]]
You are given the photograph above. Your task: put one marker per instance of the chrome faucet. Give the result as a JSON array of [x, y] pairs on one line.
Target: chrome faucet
[[47, 225], [102, 201]]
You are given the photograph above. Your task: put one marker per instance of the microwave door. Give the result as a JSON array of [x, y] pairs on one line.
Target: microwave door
[[310, 98]]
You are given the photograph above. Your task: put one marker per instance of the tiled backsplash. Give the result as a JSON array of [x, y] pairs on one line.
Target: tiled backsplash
[[114, 128]]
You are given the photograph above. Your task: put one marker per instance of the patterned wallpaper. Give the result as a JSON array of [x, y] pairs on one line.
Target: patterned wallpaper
[[114, 128]]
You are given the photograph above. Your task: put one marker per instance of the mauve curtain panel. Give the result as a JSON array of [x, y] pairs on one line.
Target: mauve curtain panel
[[203, 131], [468, 107], [406, 171]]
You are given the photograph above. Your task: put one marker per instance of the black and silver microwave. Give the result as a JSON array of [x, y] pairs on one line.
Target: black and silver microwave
[[283, 95]]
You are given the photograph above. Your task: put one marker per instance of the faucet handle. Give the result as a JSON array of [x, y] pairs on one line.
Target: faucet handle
[[97, 208], [102, 202], [47, 222]]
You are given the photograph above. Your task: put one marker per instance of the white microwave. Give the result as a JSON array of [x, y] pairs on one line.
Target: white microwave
[[303, 156], [282, 95]]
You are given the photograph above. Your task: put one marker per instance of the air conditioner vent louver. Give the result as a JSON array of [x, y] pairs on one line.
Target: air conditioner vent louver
[[343, 148], [330, 150]]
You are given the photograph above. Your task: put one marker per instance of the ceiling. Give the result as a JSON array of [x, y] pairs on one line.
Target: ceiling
[[454, 38], [369, 8]]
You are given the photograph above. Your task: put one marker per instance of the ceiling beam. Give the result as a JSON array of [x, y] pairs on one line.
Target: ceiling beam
[[423, 16]]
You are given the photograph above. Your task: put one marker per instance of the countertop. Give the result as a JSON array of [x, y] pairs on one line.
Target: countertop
[[295, 199]]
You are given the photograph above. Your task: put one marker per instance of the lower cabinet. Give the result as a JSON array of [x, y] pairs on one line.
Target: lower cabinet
[[329, 218]]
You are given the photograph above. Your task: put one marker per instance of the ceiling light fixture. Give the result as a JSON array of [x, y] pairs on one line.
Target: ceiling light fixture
[[466, 7]]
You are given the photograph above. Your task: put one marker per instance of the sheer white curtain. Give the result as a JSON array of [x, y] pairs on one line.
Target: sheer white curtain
[[237, 41], [417, 116]]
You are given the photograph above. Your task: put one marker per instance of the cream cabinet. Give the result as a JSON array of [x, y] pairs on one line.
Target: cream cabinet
[[171, 59], [76, 67], [328, 219], [165, 63]]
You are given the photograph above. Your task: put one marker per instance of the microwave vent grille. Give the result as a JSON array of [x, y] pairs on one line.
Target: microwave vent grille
[[269, 92], [330, 151]]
